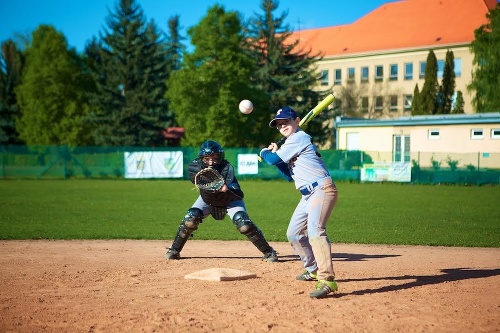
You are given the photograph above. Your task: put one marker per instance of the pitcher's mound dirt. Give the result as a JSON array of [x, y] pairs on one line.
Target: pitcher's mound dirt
[[127, 286]]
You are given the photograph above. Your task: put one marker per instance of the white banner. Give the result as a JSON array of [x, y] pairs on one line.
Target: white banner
[[164, 164], [248, 164], [392, 172]]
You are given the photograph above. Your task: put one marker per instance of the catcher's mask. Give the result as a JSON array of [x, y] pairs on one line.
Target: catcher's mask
[[211, 153]]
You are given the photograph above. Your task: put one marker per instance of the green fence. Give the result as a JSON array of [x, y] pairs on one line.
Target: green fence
[[45, 162]]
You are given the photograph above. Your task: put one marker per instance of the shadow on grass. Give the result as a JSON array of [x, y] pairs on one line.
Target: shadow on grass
[[449, 275]]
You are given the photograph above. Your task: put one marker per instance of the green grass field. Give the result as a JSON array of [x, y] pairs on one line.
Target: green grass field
[[152, 209]]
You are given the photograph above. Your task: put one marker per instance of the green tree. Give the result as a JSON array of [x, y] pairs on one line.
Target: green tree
[[458, 106], [485, 76], [206, 91], [11, 66], [174, 51], [448, 83], [416, 107], [51, 96], [430, 88], [287, 74], [129, 64]]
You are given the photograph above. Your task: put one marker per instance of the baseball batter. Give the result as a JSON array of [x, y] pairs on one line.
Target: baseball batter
[[298, 160], [228, 200]]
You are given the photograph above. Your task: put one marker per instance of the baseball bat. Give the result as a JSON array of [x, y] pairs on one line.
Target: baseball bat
[[310, 116]]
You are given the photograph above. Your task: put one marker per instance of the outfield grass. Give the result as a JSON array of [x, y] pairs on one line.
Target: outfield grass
[[152, 209]]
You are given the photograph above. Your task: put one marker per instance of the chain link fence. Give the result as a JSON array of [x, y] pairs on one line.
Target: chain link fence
[[62, 162]]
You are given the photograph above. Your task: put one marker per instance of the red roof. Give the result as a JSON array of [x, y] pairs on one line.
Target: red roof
[[173, 133], [401, 25]]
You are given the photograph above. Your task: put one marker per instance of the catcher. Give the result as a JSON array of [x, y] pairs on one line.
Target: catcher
[[220, 193]]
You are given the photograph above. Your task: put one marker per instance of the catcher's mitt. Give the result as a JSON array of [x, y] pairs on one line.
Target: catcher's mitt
[[209, 179]]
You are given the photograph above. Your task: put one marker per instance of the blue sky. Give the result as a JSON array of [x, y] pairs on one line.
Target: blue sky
[[79, 20]]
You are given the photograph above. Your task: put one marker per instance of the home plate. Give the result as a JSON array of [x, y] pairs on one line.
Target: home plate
[[220, 274]]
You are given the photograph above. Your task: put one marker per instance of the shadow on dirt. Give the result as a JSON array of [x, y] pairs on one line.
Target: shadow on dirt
[[335, 256], [450, 275], [361, 257]]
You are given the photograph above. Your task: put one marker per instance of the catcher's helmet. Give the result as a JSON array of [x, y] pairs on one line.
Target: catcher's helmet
[[213, 149]]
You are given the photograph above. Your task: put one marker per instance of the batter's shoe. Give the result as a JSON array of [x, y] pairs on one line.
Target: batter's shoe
[[323, 288], [172, 254], [307, 276], [271, 256]]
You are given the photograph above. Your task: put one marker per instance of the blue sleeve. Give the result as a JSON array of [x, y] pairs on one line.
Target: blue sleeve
[[273, 159], [285, 171]]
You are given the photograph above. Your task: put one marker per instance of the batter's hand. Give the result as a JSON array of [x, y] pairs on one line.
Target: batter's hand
[[273, 147]]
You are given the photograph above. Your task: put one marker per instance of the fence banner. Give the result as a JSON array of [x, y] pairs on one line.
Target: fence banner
[[165, 164], [392, 172], [248, 164]]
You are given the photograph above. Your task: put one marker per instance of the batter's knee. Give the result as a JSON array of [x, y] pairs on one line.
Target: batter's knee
[[242, 221]]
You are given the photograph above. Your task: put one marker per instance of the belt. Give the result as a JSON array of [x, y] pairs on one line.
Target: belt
[[306, 190]]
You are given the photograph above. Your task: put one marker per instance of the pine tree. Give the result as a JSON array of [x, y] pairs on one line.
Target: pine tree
[[11, 66], [51, 95], [416, 108], [174, 50], [430, 88], [485, 77], [286, 74], [206, 91], [129, 64], [448, 82], [458, 106]]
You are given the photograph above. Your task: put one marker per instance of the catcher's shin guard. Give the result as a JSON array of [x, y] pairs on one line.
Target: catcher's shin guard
[[189, 224], [248, 228]]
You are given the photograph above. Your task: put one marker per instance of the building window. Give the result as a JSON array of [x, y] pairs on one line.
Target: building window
[[338, 77], [409, 71], [433, 134], [324, 77], [393, 72], [379, 103], [440, 70], [351, 74], [379, 73], [495, 133], [364, 74], [364, 104], [421, 73], [476, 134], [394, 103], [408, 101], [401, 148], [458, 67]]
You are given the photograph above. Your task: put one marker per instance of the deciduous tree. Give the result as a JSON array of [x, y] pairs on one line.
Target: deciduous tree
[[52, 95], [204, 94], [485, 84]]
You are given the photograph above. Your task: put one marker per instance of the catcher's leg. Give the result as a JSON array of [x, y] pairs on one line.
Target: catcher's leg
[[248, 228], [189, 224]]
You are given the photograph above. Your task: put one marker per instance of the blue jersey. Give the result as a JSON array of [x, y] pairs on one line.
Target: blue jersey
[[300, 155]]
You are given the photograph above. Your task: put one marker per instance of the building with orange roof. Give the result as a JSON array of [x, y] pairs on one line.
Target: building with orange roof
[[374, 64]]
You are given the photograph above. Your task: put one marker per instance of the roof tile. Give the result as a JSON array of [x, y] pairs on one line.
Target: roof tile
[[402, 24]]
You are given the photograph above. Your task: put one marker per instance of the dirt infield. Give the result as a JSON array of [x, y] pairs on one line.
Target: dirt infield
[[127, 286]]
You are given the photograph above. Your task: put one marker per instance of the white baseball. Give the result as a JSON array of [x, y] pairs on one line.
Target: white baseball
[[246, 106]]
